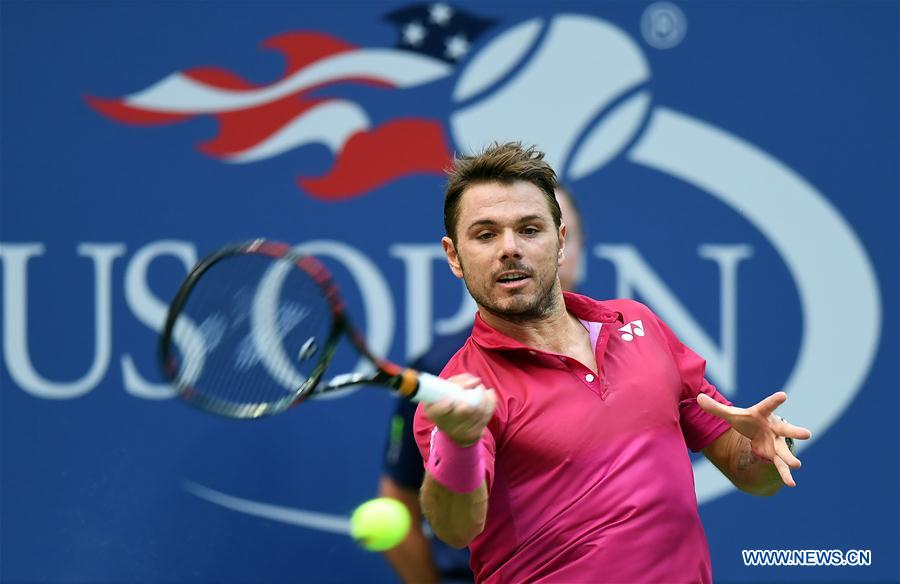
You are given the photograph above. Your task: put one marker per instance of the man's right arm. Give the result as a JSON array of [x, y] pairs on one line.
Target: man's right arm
[[456, 518], [454, 494]]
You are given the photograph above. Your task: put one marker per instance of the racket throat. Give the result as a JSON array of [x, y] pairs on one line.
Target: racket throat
[[406, 382]]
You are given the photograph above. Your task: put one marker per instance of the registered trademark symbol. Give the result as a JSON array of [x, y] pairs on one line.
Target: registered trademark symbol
[[663, 25]]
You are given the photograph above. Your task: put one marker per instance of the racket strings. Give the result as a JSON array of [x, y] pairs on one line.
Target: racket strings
[[250, 335]]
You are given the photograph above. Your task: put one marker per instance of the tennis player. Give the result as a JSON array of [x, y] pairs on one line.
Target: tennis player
[[575, 466], [420, 559]]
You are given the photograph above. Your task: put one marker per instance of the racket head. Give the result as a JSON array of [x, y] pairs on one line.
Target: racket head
[[251, 330]]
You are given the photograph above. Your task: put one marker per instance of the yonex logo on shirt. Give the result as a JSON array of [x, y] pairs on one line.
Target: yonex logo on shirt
[[631, 330]]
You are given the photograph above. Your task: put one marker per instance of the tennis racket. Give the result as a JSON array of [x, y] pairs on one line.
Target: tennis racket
[[253, 329]]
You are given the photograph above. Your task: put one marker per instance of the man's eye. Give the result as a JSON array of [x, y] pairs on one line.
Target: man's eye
[[530, 231], [484, 236]]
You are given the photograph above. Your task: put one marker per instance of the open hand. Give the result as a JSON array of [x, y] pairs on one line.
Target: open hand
[[766, 431]]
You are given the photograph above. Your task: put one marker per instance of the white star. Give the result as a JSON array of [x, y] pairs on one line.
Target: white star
[[440, 14], [414, 33], [457, 47]]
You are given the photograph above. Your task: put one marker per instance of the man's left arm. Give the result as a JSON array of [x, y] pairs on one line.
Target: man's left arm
[[755, 453]]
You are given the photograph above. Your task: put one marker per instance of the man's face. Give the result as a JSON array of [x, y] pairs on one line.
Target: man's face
[[507, 250]]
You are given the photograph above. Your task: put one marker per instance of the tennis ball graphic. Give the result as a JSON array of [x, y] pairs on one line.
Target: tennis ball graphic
[[574, 86]]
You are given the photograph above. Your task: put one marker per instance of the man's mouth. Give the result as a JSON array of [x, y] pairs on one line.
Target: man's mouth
[[513, 278]]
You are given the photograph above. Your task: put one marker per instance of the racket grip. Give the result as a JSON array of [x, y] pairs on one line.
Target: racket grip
[[432, 388]]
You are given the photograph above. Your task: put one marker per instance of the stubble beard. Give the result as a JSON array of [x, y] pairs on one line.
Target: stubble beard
[[543, 303]]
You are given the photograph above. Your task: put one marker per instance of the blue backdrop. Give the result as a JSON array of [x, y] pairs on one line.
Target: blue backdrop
[[735, 163]]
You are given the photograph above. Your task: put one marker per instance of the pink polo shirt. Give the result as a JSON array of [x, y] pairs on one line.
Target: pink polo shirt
[[589, 476]]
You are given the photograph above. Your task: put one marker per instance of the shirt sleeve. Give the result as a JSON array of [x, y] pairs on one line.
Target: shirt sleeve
[[699, 428]]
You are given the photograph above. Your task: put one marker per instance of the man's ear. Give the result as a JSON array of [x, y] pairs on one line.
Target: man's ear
[[452, 257], [561, 255]]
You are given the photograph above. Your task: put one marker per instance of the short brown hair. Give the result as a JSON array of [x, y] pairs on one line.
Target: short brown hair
[[503, 163]]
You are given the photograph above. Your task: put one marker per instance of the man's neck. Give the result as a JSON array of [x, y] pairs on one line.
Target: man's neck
[[553, 332]]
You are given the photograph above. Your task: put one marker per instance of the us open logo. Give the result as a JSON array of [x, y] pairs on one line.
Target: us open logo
[[607, 112], [497, 91]]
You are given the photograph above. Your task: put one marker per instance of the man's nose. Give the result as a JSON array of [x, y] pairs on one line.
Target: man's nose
[[510, 245]]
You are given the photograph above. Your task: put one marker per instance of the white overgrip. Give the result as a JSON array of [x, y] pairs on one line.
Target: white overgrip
[[433, 388]]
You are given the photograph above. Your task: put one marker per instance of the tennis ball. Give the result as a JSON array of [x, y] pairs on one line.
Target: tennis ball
[[380, 524]]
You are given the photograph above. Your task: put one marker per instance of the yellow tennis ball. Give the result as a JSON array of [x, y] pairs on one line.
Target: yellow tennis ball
[[380, 524]]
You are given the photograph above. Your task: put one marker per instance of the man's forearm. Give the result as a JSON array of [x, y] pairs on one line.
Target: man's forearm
[[750, 473], [456, 518]]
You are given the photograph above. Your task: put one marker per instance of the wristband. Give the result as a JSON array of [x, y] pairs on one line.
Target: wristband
[[457, 468]]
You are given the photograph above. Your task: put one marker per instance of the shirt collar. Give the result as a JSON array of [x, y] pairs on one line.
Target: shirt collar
[[581, 306]]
